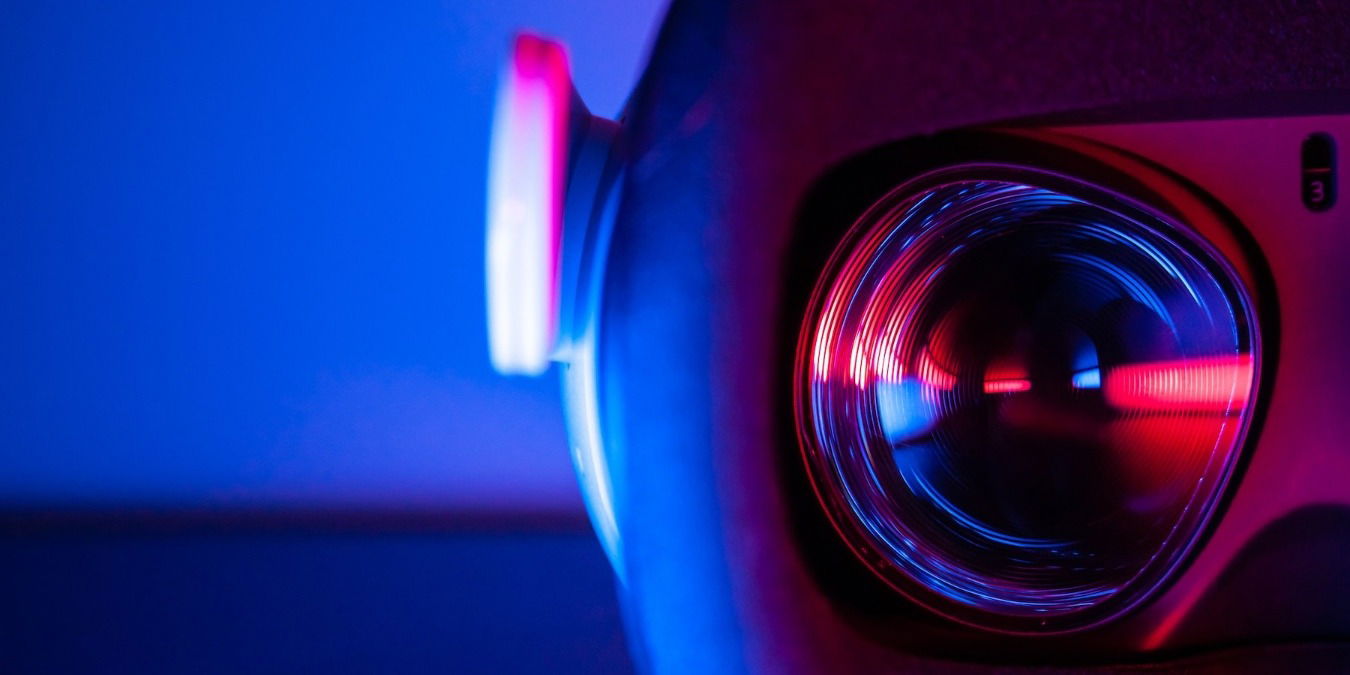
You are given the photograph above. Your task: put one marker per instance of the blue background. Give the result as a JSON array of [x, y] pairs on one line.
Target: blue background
[[249, 422], [240, 262]]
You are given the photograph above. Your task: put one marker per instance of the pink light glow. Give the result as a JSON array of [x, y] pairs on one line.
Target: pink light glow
[[860, 359], [1215, 384], [525, 201], [1006, 386], [1006, 377], [933, 375]]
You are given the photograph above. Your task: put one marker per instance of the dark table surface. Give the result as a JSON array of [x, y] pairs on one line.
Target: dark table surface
[[221, 600]]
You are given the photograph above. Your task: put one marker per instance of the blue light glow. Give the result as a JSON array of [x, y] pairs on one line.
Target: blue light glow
[[904, 412], [244, 253], [1088, 379]]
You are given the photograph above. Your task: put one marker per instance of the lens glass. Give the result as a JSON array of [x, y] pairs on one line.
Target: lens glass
[[1020, 398]]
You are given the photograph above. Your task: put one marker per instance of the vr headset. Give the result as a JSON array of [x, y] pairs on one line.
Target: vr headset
[[897, 336]]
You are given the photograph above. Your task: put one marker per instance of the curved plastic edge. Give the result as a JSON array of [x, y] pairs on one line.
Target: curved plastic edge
[[526, 182]]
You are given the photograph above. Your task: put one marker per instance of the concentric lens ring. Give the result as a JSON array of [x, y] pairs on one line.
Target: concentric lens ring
[[1020, 395]]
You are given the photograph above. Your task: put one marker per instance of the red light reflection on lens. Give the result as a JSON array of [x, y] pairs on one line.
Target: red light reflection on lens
[[1006, 386], [1215, 384], [933, 375]]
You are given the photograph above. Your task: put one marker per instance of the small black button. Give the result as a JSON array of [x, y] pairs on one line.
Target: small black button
[[1319, 172]]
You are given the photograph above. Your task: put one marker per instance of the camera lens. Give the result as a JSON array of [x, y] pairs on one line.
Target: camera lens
[[1020, 395]]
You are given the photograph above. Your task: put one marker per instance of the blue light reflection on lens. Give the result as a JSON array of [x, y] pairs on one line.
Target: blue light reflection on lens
[[1088, 379], [904, 412]]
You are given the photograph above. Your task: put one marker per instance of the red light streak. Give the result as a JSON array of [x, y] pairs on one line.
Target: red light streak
[[1214, 384], [931, 374], [1006, 386]]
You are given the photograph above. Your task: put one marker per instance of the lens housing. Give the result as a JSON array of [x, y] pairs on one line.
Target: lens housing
[[1021, 395]]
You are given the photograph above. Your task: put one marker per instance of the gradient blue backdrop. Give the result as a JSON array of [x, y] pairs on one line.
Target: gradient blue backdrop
[[241, 253]]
